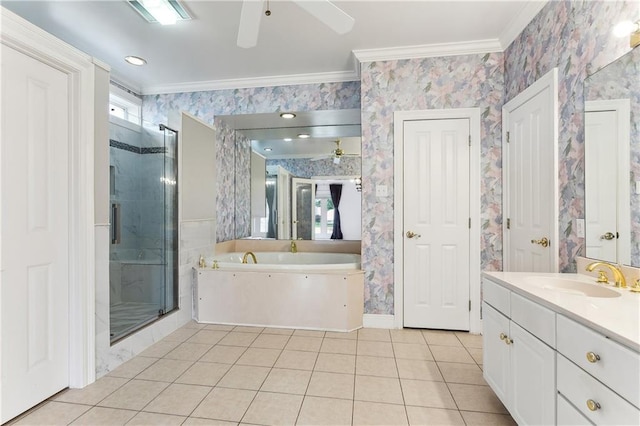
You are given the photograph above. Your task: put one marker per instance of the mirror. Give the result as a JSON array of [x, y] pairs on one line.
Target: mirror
[[297, 180], [612, 161]]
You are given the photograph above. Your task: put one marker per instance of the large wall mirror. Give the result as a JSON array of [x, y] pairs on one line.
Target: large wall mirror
[[304, 176], [612, 161]]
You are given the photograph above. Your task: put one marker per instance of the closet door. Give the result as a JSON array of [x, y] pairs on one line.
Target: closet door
[[35, 232]]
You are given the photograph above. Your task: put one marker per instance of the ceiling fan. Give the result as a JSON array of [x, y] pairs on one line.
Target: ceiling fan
[[336, 154], [325, 11]]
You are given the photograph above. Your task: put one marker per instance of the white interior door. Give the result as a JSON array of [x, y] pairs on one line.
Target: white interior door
[[436, 224], [303, 196], [600, 198], [284, 204], [530, 180], [35, 232]]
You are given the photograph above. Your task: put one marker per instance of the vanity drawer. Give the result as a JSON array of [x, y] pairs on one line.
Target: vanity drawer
[[496, 296], [579, 388], [618, 367], [536, 319], [568, 415]]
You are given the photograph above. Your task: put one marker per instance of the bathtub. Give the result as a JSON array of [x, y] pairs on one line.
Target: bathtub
[[288, 261], [327, 294]]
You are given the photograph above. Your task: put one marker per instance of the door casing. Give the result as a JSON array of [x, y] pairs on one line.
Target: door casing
[[399, 117]]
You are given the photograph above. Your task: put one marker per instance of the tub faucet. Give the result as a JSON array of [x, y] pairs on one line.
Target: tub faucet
[[294, 247], [618, 276], [253, 256]]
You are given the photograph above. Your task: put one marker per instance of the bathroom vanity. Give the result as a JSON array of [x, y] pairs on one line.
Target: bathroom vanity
[[561, 349]]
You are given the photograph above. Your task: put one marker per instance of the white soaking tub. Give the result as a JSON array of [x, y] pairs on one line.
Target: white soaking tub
[[327, 295]]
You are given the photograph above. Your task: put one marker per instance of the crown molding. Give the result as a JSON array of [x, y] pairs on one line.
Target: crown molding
[[243, 83], [520, 22], [428, 50], [124, 82]]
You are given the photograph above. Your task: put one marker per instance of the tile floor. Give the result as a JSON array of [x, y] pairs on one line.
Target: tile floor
[[224, 375]]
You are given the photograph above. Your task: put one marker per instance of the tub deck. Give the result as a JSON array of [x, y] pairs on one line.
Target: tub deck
[[318, 300]]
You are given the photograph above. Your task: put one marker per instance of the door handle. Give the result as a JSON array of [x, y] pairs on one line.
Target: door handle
[[411, 234], [607, 236], [544, 242]]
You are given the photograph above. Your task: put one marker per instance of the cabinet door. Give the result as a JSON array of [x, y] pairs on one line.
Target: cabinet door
[[532, 380], [495, 352]]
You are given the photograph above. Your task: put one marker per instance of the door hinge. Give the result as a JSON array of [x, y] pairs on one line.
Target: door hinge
[[508, 223], [508, 137], [469, 223], [469, 305], [469, 140]]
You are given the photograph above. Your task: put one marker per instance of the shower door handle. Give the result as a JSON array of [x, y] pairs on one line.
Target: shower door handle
[[115, 223]]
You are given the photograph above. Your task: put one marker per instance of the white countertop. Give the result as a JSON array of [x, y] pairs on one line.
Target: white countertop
[[618, 318]]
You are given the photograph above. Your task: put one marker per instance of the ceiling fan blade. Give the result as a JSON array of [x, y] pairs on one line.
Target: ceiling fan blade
[[249, 23], [329, 14]]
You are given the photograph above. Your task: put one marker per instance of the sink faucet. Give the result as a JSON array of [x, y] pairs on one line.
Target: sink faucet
[[618, 276], [294, 247], [253, 256]]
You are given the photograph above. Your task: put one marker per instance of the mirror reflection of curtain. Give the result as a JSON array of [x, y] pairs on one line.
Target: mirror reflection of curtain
[[336, 194], [272, 219]]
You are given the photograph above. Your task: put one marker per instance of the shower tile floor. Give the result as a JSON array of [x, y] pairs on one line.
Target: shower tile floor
[[225, 375], [125, 317]]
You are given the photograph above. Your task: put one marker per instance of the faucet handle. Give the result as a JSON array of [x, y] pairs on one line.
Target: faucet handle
[[602, 277], [635, 287]]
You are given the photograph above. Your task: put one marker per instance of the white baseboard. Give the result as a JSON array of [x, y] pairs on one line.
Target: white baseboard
[[378, 321]]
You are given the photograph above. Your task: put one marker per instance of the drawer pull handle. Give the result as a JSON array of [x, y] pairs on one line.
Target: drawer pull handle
[[592, 405], [593, 357]]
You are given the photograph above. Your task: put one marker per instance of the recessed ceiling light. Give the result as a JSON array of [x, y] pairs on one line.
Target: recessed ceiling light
[[288, 115], [166, 12], [287, 139], [268, 149], [304, 135], [135, 60]]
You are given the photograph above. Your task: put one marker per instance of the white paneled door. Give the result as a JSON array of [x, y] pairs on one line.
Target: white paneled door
[[303, 197], [530, 179], [436, 224], [35, 232]]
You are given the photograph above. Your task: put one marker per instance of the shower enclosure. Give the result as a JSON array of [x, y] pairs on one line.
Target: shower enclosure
[[143, 254]]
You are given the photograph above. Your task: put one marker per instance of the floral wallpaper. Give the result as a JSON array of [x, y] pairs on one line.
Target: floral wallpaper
[[621, 80], [305, 168], [432, 83], [207, 105], [574, 36]]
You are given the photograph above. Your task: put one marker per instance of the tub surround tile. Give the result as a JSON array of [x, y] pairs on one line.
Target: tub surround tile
[[325, 411], [273, 409]]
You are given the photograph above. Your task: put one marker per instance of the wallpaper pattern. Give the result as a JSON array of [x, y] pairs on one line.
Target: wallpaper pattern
[[209, 104], [574, 36], [305, 168], [620, 80], [432, 83]]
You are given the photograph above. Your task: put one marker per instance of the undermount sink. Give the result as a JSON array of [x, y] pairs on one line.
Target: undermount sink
[[570, 286]]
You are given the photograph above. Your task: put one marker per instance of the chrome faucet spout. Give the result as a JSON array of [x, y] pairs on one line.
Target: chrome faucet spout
[[294, 247], [618, 276], [246, 255]]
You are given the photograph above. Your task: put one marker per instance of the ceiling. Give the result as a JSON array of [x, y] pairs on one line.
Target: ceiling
[[293, 46]]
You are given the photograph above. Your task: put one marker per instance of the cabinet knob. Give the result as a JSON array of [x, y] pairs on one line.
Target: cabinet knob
[[593, 357], [503, 336], [592, 405]]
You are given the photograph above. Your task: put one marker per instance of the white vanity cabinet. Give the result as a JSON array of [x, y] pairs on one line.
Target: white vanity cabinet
[[518, 364]]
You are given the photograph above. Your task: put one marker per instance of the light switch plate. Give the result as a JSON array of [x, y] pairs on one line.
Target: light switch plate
[[381, 191], [580, 228]]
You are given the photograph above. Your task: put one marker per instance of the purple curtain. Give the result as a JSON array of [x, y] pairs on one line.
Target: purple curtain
[[336, 193]]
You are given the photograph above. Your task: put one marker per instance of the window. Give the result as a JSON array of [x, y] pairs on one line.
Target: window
[[323, 218], [124, 105]]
